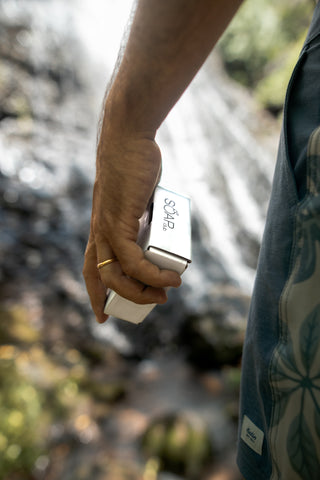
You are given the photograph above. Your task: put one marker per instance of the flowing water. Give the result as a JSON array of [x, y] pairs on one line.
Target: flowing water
[[208, 147], [216, 146], [208, 140]]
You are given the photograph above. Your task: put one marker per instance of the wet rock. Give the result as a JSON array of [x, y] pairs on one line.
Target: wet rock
[[215, 339], [210, 345]]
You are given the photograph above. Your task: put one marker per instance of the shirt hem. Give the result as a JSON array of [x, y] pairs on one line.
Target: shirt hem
[[250, 472]]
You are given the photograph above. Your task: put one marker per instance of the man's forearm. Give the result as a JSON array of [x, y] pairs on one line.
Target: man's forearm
[[168, 42]]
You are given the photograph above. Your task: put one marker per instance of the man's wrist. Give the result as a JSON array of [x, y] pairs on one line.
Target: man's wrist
[[124, 115]]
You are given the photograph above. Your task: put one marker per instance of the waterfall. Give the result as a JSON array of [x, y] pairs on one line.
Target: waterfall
[[208, 150], [215, 145]]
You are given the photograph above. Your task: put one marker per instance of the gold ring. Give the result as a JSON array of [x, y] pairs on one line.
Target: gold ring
[[106, 262]]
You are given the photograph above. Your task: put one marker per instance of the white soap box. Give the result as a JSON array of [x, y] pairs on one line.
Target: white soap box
[[165, 237]]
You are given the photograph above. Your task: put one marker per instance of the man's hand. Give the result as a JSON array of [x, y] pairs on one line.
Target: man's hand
[[128, 170], [169, 41]]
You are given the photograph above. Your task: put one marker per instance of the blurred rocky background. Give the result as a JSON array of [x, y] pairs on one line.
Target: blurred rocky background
[[158, 401]]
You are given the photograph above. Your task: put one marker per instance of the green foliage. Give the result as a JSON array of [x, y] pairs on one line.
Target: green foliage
[[41, 387], [20, 420], [262, 44], [20, 402], [270, 90]]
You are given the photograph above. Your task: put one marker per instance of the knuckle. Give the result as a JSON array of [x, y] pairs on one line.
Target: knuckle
[[130, 269]]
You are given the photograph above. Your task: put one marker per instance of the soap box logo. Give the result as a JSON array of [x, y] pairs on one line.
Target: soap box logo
[[170, 214]]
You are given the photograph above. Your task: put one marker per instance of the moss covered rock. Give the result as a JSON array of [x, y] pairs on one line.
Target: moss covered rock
[[180, 442]]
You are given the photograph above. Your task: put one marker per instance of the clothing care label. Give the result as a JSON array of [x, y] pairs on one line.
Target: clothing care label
[[252, 435]]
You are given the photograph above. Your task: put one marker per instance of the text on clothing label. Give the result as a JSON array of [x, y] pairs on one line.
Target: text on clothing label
[[252, 435]]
